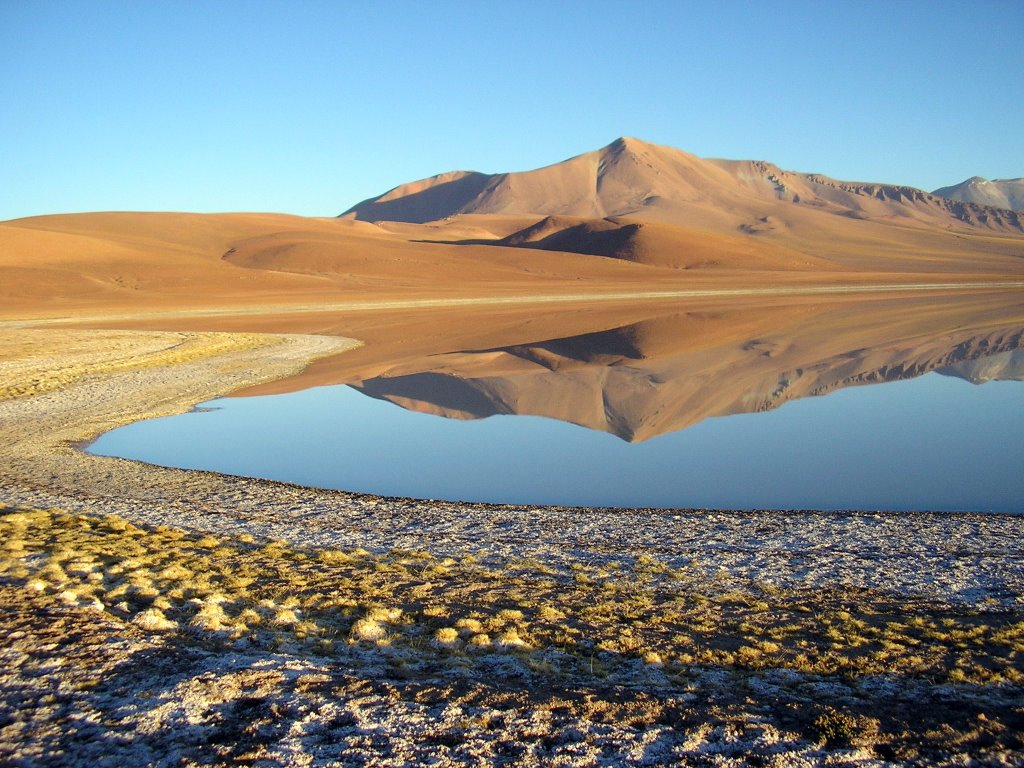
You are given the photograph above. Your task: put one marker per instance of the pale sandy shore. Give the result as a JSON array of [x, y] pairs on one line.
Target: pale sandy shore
[[155, 699]]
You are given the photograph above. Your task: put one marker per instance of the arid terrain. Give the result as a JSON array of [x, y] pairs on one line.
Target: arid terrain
[[169, 617], [998, 193]]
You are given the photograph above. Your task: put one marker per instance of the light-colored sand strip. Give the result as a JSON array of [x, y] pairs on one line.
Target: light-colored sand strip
[[60, 387], [561, 298], [31, 366]]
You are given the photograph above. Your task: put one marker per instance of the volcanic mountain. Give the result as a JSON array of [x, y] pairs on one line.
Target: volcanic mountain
[[661, 206], [627, 219], [999, 193], [647, 181]]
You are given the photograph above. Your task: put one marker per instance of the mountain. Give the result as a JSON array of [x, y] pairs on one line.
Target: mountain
[[999, 193], [647, 182], [631, 217]]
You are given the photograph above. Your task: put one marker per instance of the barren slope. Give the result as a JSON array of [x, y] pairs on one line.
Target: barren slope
[[633, 178], [65, 264], [663, 245], [661, 206], [999, 193]]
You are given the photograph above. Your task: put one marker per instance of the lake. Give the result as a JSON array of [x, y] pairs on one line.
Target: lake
[[665, 412]]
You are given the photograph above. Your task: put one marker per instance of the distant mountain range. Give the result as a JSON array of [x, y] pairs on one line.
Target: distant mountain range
[[629, 217], [999, 193], [635, 179]]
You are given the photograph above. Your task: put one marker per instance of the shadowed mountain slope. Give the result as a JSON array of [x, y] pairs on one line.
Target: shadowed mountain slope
[[658, 244]]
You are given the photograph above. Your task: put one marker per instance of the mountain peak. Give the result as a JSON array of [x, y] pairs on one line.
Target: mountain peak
[[1001, 193], [628, 142], [634, 178], [630, 145]]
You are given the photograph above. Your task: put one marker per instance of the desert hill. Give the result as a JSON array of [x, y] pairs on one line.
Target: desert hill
[[658, 244], [663, 207], [636, 179], [123, 261], [998, 193], [630, 217]]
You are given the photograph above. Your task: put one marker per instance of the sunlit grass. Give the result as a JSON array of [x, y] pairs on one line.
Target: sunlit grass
[[600, 617]]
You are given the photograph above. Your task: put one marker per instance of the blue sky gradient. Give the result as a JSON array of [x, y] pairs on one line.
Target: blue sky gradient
[[309, 107]]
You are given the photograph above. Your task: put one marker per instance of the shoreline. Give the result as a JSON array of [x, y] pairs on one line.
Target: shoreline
[[298, 625], [44, 465]]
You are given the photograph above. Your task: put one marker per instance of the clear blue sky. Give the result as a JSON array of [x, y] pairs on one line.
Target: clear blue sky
[[309, 107]]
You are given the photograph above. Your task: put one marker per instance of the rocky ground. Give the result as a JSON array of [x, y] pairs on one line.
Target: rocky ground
[[156, 616]]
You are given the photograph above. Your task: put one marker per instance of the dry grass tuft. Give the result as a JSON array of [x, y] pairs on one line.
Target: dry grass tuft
[[598, 617]]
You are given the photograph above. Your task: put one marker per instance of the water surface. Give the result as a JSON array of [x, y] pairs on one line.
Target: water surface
[[934, 442], [879, 404]]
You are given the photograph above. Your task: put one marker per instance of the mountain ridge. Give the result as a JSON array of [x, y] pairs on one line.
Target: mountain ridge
[[997, 193], [637, 179]]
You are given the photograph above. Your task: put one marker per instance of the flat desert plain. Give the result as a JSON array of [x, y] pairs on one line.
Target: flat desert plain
[[161, 616]]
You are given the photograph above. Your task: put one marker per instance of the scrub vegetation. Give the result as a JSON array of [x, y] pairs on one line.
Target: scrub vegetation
[[272, 595], [606, 624]]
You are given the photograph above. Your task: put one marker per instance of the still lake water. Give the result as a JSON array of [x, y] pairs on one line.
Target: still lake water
[[934, 442]]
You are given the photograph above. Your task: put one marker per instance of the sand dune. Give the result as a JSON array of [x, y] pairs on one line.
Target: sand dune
[[54, 265], [659, 244], [86, 264]]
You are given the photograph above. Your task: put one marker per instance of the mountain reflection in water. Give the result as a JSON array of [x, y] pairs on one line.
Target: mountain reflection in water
[[671, 372], [935, 442]]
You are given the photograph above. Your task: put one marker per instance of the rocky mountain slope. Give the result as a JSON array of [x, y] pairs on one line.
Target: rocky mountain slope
[[998, 193]]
